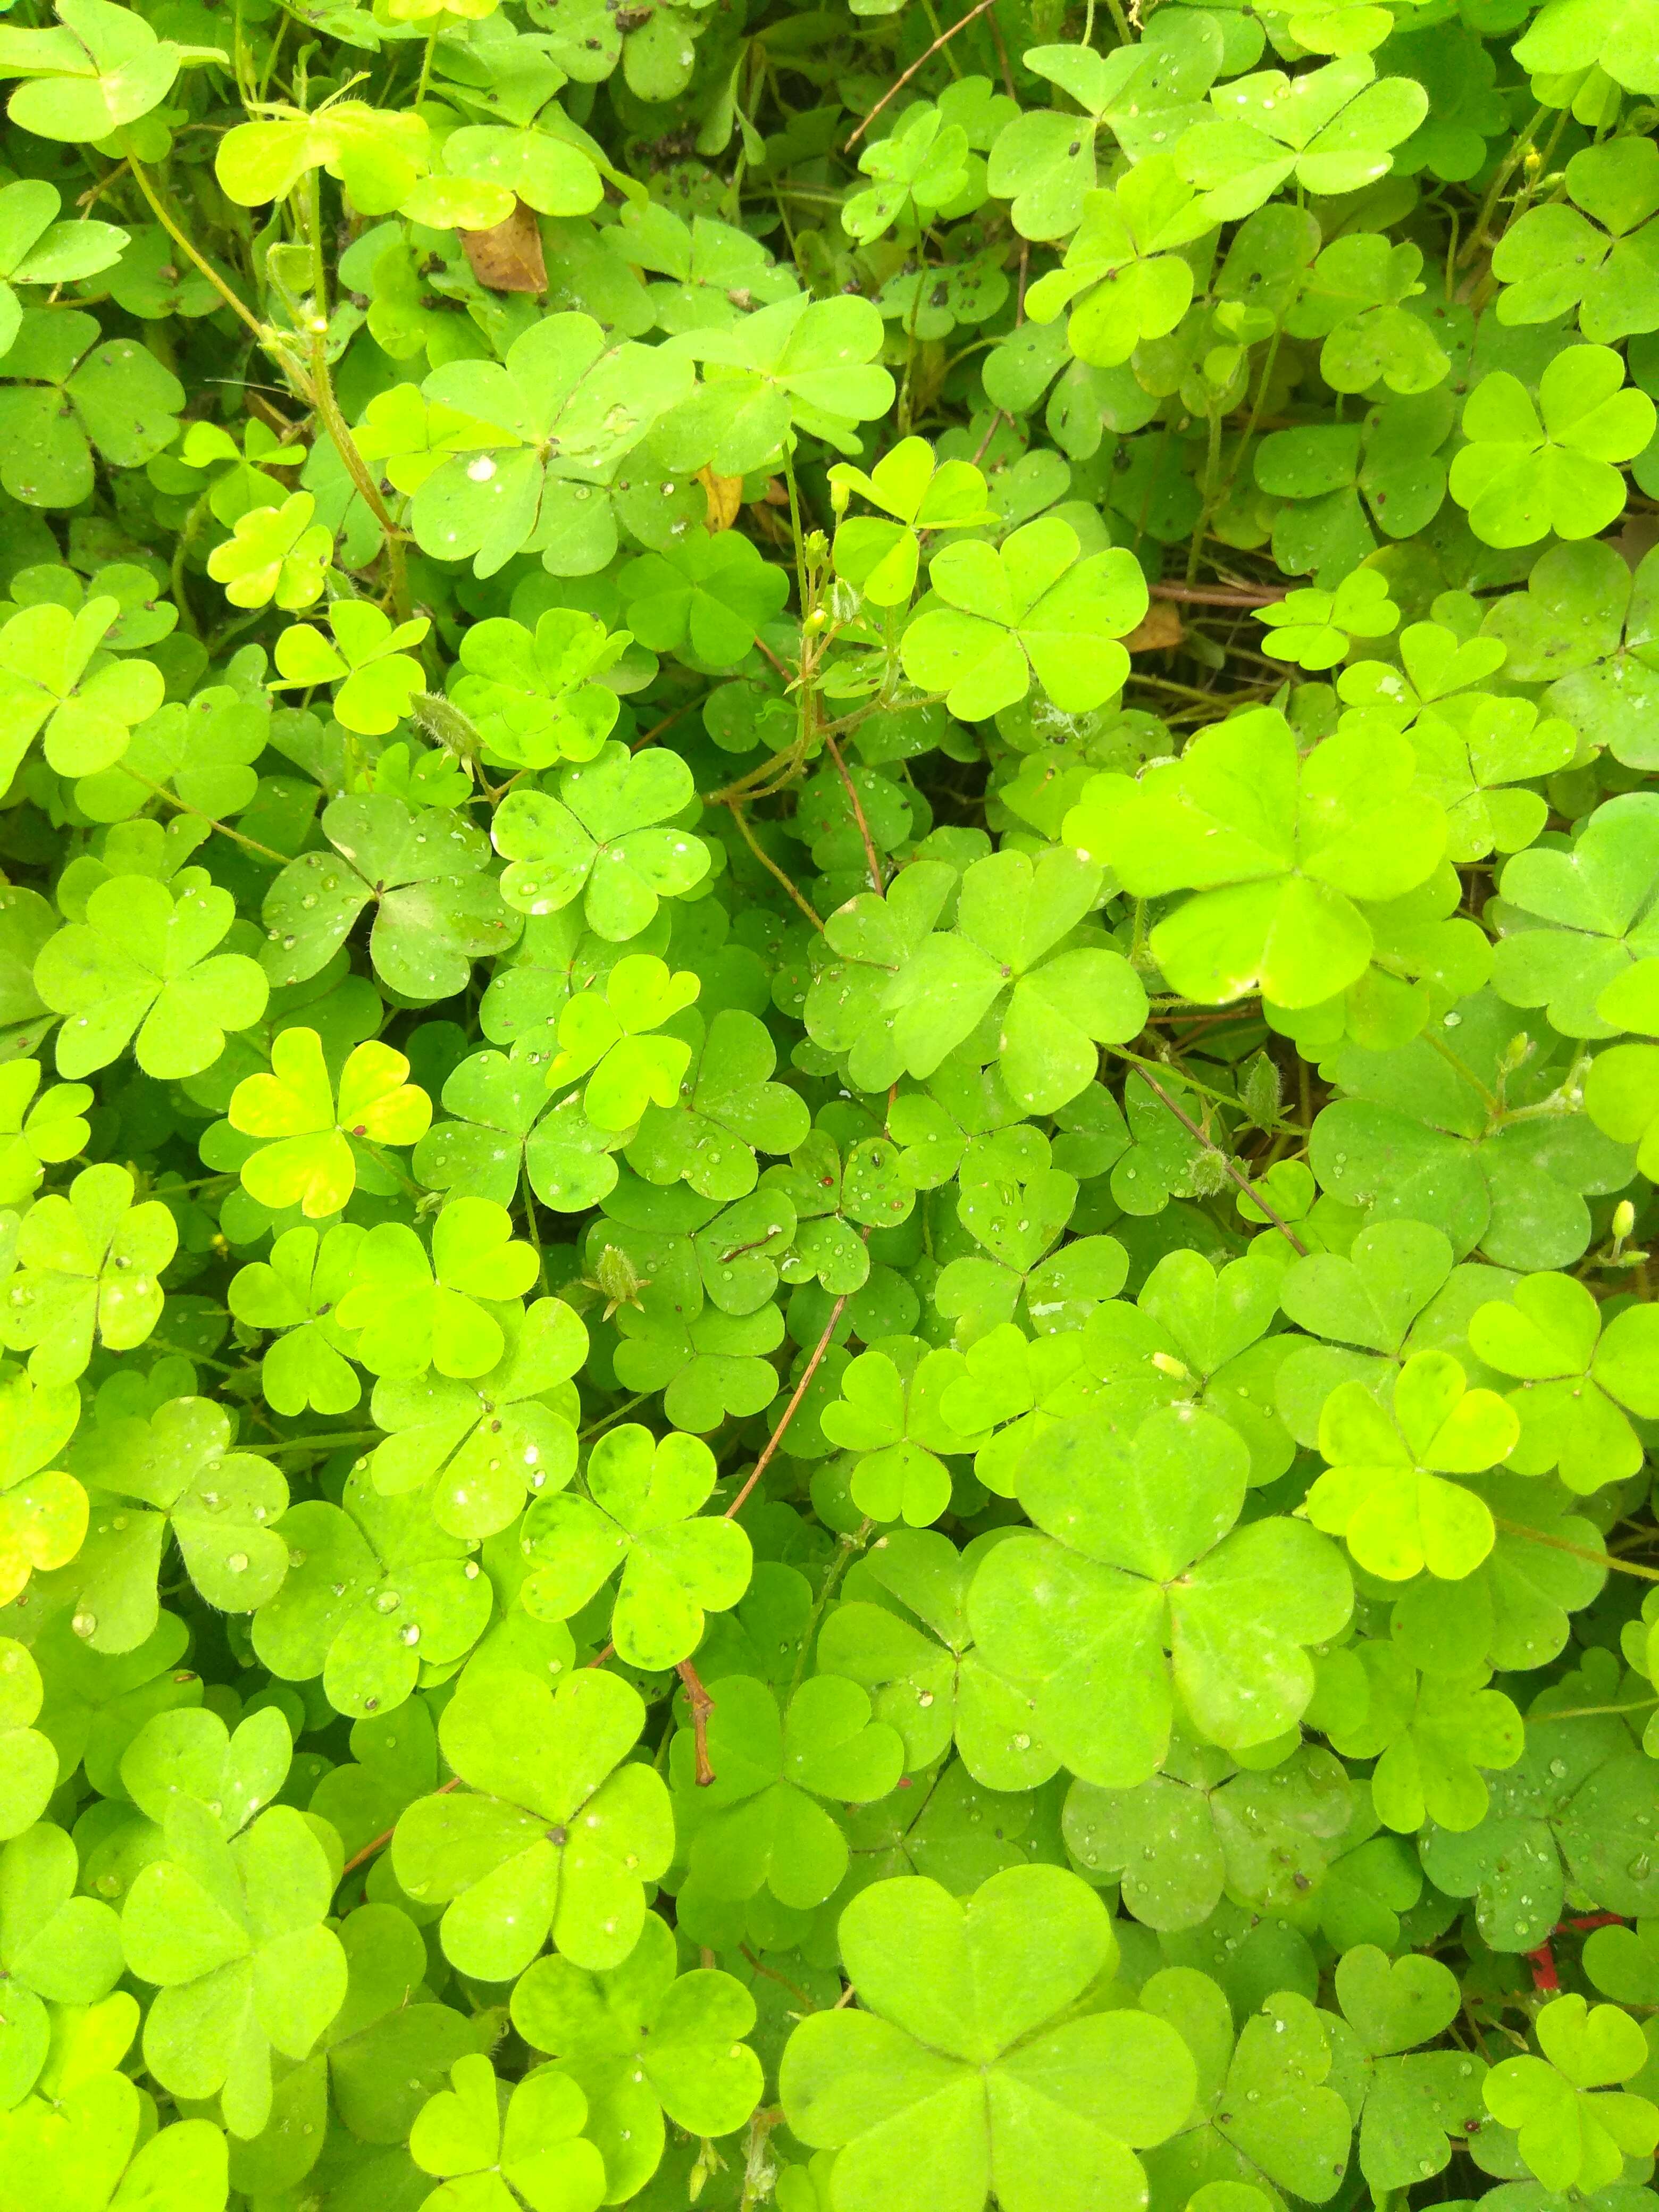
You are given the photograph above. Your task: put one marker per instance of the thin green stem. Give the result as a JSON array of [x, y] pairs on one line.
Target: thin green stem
[[164, 215], [1590, 1712], [594, 1428], [236, 838], [335, 1441], [1576, 1550]]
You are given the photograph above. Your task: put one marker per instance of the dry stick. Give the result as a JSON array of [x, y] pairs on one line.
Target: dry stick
[[1243, 1182], [701, 1705], [1214, 595], [894, 90], [878, 880], [379, 1843], [770, 864]]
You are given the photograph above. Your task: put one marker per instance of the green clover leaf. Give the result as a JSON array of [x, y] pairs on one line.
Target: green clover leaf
[[600, 837], [1352, 299], [1619, 1097], [474, 1449], [296, 1290], [37, 1132], [902, 1634], [603, 1036], [87, 1264], [233, 1934], [35, 248], [1197, 1336], [1012, 965], [376, 157], [275, 554], [1435, 1738], [890, 1413], [1600, 261], [412, 1312], [1314, 629], [1385, 1489], [1619, 39], [1136, 1554], [1579, 1805], [141, 969], [922, 167], [1333, 129], [728, 1110], [546, 172], [882, 558], [559, 1831], [1467, 745], [68, 394], [390, 2046], [1123, 277], [978, 2083], [1573, 2131], [436, 911], [1278, 873], [866, 941], [1034, 606], [43, 1514], [1266, 2114], [644, 2042], [1183, 1837], [1416, 1135], [56, 1948], [504, 1133], [642, 1515], [98, 68], [534, 440], [190, 1752], [309, 1162], [1364, 1304], [536, 697], [380, 677], [707, 598], [756, 1825], [800, 362], [1579, 1384], [373, 1591], [54, 680], [1576, 926], [530, 2153], [707, 1364], [28, 1763], [1528, 469], [202, 752], [96, 2131], [1412, 2104], [219, 1503]]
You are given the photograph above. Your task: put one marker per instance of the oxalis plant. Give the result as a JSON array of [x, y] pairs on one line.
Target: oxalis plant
[[829, 1089]]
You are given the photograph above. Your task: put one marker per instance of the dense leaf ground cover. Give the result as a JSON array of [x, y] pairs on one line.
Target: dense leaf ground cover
[[829, 1088]]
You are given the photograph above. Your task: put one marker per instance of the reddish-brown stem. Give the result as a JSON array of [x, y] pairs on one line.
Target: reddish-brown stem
[[899, 83], [878, 880], [701, 1705], [379, 1843], [1251, 1190], [782, 1980], [789, 1411]]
